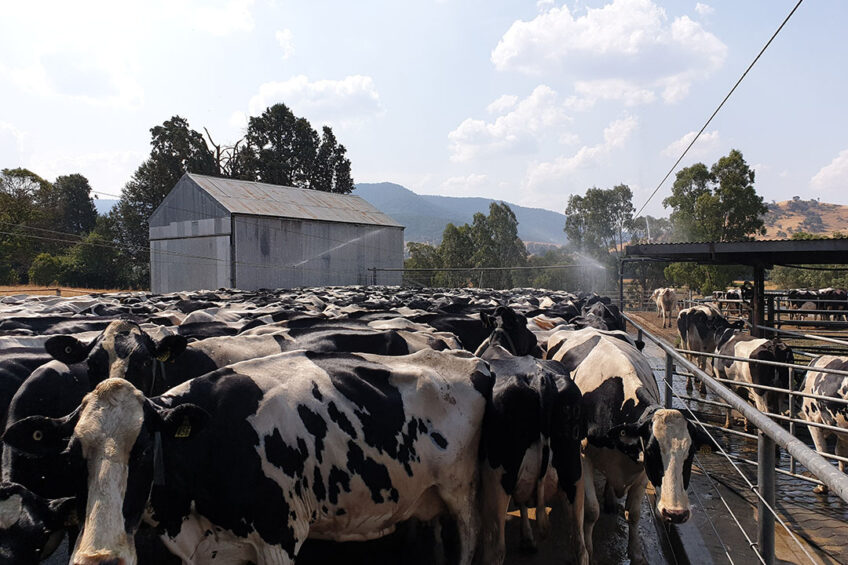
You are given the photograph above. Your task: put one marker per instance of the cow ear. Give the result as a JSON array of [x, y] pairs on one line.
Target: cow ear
[[183, 421], [170, 346], [488, 321], [67, 349], [701, 440], [62, 513], [40, 435]]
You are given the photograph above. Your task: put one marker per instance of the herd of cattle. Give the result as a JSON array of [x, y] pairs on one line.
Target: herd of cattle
[[230, 427]]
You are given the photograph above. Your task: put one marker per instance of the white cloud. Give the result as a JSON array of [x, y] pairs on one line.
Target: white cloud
[[285, 39], [630, 42], [704, 9], [11, 136], [502, 104], [706, 144], [834, 176], [337, 102], [540, 114], [107, 171], [615, 136], [465, 185], [589, 92], [219, 18]]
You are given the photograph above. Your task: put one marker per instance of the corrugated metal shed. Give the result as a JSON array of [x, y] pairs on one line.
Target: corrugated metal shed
[[756, 252], [260, 199]]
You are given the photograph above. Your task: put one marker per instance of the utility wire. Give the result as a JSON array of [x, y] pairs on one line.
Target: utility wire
[[685, 151]]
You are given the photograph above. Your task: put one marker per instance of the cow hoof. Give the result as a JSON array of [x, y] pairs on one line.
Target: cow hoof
[[528, 546], [820, 489]]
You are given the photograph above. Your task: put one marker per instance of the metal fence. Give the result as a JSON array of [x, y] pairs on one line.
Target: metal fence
[[770, 433]]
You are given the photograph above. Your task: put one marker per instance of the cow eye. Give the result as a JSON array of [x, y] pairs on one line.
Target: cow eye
[[37, 435], [68, 349]]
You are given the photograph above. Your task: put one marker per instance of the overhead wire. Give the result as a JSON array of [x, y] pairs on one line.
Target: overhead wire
[[713, 115]]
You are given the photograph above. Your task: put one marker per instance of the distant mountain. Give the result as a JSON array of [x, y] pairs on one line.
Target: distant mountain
[[103, 205], [790, 216], [425, 216]]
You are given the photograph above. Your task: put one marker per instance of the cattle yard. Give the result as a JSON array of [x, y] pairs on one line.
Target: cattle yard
[[397, 321]]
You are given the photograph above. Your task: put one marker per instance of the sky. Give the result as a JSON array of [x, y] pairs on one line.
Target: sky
[[528, 102]]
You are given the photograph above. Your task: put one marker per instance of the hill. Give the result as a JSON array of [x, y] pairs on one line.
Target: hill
[[425, 216], [790, 216]]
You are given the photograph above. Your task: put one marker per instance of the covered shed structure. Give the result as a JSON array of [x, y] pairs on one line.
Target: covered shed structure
[[213, 232], [760, 255]]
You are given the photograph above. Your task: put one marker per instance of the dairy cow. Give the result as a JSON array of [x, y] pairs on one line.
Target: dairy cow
[[826, 412], [533, 428], [699, 327], [665, 299], [245, 463], [734, 344], [630, 439], [31, 527]]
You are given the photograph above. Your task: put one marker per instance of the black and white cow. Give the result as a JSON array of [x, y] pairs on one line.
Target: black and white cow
[[821, 411], [533, 428], [734, 344], [630, 439], [31, 527], [699, 328], [245, 463]]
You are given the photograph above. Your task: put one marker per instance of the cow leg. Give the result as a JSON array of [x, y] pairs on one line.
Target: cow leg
[[727, 420], [567, 523], [591, 509], [542, 520], [494, 503], [841, 450], [528, 544], [633, 510], [820, 441], [610, 499]]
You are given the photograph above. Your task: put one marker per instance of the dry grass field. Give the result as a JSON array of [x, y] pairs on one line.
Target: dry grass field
[[51, 291], [788, 217]]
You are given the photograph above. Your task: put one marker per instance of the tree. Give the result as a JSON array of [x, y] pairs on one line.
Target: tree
[[455, 251], [596, 222], [22, 194], [719, 204], [421, 256], [281, 148], [92, 263], [175, 150], [76, 213]]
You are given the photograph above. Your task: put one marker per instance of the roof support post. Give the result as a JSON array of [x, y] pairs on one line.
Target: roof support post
[[758, 301]]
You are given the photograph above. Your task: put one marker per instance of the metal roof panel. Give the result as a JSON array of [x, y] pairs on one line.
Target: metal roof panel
[[261, 199]]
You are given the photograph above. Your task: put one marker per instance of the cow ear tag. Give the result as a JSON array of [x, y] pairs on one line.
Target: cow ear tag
[[184, 430], [163, 356], [705, 450]]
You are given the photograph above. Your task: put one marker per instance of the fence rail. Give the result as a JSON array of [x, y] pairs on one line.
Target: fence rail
[[770, 434]]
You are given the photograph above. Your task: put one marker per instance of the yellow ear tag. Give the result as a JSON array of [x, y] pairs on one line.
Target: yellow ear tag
[[164, 356], [184, 430], [705, 450]]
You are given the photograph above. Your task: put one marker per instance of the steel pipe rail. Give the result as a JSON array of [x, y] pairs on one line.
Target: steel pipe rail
[[836, 481]]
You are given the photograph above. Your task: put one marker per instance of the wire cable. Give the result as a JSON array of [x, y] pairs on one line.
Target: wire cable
[[710, 119]]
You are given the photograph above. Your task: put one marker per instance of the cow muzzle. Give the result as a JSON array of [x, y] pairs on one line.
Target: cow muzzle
[[675, 516], [99, 560]]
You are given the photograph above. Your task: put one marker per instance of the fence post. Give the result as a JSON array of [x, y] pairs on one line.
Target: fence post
[[58, 292], [765, 486], [669, 379], [790, 388]]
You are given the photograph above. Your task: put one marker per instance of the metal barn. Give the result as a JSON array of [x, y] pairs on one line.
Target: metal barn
[[212, 232]]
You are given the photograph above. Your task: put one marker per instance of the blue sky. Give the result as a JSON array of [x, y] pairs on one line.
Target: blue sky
[[524, 101]]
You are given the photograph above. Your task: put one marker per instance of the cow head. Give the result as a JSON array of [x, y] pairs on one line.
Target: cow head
[[31, 527], [665, 442], [114, 431], [123, 350], [509, 330]]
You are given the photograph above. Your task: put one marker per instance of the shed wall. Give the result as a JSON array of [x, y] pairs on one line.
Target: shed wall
[[186, 201], [190, 255], [287, 253]]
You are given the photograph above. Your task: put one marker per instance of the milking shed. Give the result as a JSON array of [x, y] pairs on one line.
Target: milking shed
[[760, 255], [212, 232]]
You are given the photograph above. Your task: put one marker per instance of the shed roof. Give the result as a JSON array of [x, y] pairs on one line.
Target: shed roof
[[261, 199], [763, 252]]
